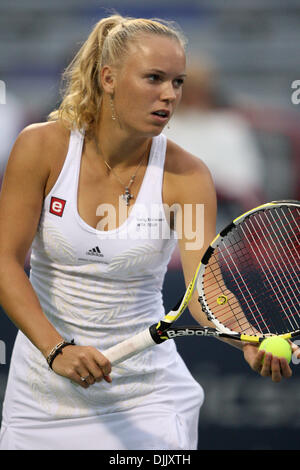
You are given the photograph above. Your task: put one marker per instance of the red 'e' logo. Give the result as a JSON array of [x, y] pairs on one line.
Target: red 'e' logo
[[57, 206]]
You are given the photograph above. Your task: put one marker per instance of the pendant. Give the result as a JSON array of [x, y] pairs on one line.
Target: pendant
[[127, 196]]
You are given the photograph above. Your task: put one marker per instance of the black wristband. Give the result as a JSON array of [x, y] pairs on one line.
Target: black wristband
[[58, 350]]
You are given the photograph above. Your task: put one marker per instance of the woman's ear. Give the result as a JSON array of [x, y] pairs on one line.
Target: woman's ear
[[108, 79]]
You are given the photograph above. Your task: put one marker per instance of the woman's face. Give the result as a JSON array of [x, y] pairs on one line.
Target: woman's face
[[148, 84]]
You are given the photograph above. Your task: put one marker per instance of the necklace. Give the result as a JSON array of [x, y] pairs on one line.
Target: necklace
[[126, 196]]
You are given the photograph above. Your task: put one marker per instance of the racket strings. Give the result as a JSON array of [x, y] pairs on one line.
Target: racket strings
[[278, 275], [275, 272], [292, 257], [274, 269], [228, 313], [256, 268]]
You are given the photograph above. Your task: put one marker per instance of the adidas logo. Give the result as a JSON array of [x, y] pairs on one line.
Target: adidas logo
[[95, 252]]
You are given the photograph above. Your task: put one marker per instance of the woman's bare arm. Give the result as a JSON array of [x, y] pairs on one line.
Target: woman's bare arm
[[21, 203]]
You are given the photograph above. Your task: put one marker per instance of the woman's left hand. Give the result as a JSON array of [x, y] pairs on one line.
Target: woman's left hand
[[274, 367]]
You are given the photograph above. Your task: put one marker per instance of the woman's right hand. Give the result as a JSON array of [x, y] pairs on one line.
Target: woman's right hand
[[83, 365], [275, 367]]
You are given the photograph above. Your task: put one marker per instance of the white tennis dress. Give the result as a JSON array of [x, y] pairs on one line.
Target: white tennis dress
[[100, 287]]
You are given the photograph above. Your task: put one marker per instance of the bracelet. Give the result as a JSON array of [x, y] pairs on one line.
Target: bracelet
[[57, 350]]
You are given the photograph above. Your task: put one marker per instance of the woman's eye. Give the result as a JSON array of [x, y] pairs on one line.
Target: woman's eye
[[178, 82], [154, 77]]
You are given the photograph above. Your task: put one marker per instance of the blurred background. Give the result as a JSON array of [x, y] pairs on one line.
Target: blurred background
[[239, 113]]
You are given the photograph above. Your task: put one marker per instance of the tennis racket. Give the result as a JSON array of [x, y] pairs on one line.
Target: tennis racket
[[248, 282]]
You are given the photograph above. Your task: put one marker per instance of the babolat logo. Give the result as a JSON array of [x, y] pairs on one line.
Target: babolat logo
[[190, 332]]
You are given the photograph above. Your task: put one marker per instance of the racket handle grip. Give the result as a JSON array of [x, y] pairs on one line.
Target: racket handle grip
[[130, 347]]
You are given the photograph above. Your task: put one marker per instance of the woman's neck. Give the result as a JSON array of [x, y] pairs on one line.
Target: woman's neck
[[119, 148]]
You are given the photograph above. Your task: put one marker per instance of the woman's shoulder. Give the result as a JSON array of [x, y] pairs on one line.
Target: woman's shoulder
[[43, 143], [187, 179], [39, 150], [181, 162], [43, 134]]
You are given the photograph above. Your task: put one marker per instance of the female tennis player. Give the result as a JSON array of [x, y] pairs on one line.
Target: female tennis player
[[89, 190]]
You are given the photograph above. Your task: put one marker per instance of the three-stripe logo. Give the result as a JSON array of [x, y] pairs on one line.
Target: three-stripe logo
[[95, 252]]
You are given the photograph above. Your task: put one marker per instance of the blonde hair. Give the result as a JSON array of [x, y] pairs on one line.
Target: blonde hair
[[106, 45]]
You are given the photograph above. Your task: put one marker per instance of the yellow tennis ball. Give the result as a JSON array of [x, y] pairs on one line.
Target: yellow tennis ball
[[279, 347]]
